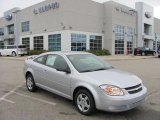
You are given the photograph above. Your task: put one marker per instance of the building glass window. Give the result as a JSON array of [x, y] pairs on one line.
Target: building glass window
[[95, 42], [38, 43], [158, 42], [54, 42], [11, 41], [78, 42], [25, 26], [11, 29], [1, 31], [26, 42], [119, 39], [130, 38], [1, 44]]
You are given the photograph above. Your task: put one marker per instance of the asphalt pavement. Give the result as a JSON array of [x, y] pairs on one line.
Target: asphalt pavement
[[17, 103]]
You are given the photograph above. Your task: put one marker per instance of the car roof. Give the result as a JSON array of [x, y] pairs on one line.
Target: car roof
[[67, 53]]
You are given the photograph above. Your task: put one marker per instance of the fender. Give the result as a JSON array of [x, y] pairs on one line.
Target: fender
[[91, 89]]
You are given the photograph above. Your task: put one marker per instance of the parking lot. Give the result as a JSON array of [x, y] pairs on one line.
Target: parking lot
[[17, 103]]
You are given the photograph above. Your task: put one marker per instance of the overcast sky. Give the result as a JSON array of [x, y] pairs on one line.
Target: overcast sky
[[9, 4]]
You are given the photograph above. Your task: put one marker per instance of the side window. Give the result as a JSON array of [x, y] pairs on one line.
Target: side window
[[57, 62], [41, 60], [11, 47], [51, 60], [60, 63]]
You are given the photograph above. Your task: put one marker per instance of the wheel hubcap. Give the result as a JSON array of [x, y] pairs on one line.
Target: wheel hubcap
[[143, 54], [83, 102], [13, 54], [29, 83]]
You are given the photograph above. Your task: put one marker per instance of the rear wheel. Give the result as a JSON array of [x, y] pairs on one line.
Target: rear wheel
[[154, 53], [143, 54], [0, 54], [158, 56], [30, 83], [14, 54], [84, 102]]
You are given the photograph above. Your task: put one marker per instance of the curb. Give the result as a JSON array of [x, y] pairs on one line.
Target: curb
[[106, 59], [126, 59], [10, 58]]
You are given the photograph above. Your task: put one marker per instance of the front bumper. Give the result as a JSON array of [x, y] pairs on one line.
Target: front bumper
[[120, 103]]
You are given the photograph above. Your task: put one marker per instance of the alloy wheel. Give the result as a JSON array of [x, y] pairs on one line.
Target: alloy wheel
[[30, 83], [83, 102]]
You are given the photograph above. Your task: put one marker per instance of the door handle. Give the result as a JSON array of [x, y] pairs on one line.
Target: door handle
[[45, 70]]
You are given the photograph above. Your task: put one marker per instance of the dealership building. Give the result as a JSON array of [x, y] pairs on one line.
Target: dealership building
[[80, 25]]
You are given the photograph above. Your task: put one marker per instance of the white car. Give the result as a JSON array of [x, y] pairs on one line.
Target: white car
[[12, 50], [87, 80]]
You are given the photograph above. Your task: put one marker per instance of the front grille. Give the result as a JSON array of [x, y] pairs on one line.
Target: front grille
[[134, 89]]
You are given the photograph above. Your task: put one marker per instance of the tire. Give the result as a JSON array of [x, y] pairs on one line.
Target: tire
[[0, 54], [158, 56], [84, 102], [13, 54], [143, 54], [30, 83], [154, 53]]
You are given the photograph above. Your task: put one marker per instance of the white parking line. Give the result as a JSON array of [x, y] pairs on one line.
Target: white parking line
[[3, 98], [8, 101], [40, 100]]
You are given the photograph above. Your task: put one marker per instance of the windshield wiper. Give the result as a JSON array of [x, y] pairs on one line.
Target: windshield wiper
[[94, 70], [101, 69], [87, 71]]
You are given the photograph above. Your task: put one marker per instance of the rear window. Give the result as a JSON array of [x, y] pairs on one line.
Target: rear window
[[21, 46], [140, 48]]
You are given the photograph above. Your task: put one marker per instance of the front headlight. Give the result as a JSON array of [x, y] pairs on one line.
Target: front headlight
[[112, 90]]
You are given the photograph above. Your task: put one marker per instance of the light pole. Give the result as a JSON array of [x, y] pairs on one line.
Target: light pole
[[156, 43], [16, 28], [134, 42]]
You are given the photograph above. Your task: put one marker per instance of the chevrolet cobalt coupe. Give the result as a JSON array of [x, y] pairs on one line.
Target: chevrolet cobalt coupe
[[88, 81]]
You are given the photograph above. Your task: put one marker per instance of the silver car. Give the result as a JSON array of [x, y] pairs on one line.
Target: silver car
[[87, 80]]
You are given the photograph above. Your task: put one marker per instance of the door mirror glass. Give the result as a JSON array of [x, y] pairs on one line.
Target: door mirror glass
[[67, 70]]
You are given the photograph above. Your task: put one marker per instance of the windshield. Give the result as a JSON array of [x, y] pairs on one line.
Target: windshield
[[88, 63]]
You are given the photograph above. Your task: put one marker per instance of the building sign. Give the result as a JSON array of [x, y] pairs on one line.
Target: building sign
[[46, 8], [8, 17], [148, 15], [123, 10]]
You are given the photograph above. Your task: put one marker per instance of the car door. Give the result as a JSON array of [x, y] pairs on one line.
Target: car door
[[9, 50], [58, 81], [4, 50], [38, 66]]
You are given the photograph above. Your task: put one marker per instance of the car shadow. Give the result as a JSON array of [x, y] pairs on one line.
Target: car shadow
[[143, 112]]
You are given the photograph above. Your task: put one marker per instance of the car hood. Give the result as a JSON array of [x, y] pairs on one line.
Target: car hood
[[113, 77]]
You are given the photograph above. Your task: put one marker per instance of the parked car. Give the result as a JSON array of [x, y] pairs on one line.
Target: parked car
[[159, 53], [144, 51], [87, 80], [12, 50]]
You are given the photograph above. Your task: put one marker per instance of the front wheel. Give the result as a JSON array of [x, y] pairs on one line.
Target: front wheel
[[84, 102], [30, 83], [14, 54]]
